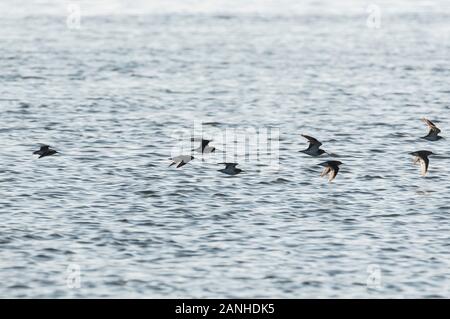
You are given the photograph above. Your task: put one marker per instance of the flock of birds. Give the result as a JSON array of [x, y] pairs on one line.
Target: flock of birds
[[331, 168]]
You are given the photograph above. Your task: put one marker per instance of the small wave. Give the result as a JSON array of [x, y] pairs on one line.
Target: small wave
[[31, 77], [149, 193], [19, 286], [212, 123], [371, 177]]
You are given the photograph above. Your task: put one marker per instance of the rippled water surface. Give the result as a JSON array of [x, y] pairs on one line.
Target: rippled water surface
[[110, 96]]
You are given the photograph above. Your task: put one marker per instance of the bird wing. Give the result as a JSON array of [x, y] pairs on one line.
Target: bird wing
[[44, 147], [432, 126], [313, 143], [209, 149], [325, 171], [424, 162], [205, 143], [333, 173], [182, 163]]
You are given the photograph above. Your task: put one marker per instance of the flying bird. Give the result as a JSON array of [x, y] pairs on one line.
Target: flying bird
[[331, 169], [181, 160], [433, 132], [204, 148], [314, 146], [421, 157], [45, 150], [230, 169]]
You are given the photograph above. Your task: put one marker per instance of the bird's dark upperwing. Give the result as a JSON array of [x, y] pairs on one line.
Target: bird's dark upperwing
[[313, 143], [204, 144]]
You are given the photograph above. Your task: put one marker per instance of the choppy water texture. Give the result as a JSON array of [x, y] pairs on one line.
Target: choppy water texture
[[110, 95]]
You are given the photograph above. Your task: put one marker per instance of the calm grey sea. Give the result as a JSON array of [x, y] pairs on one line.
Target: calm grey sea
[[107, 217]]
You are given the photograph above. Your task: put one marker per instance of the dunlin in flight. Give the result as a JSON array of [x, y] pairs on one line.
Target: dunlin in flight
[[331, 169], [230, 169], [421, 157], [314, 146], [181, 160], [45, 150], [434, 131]]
